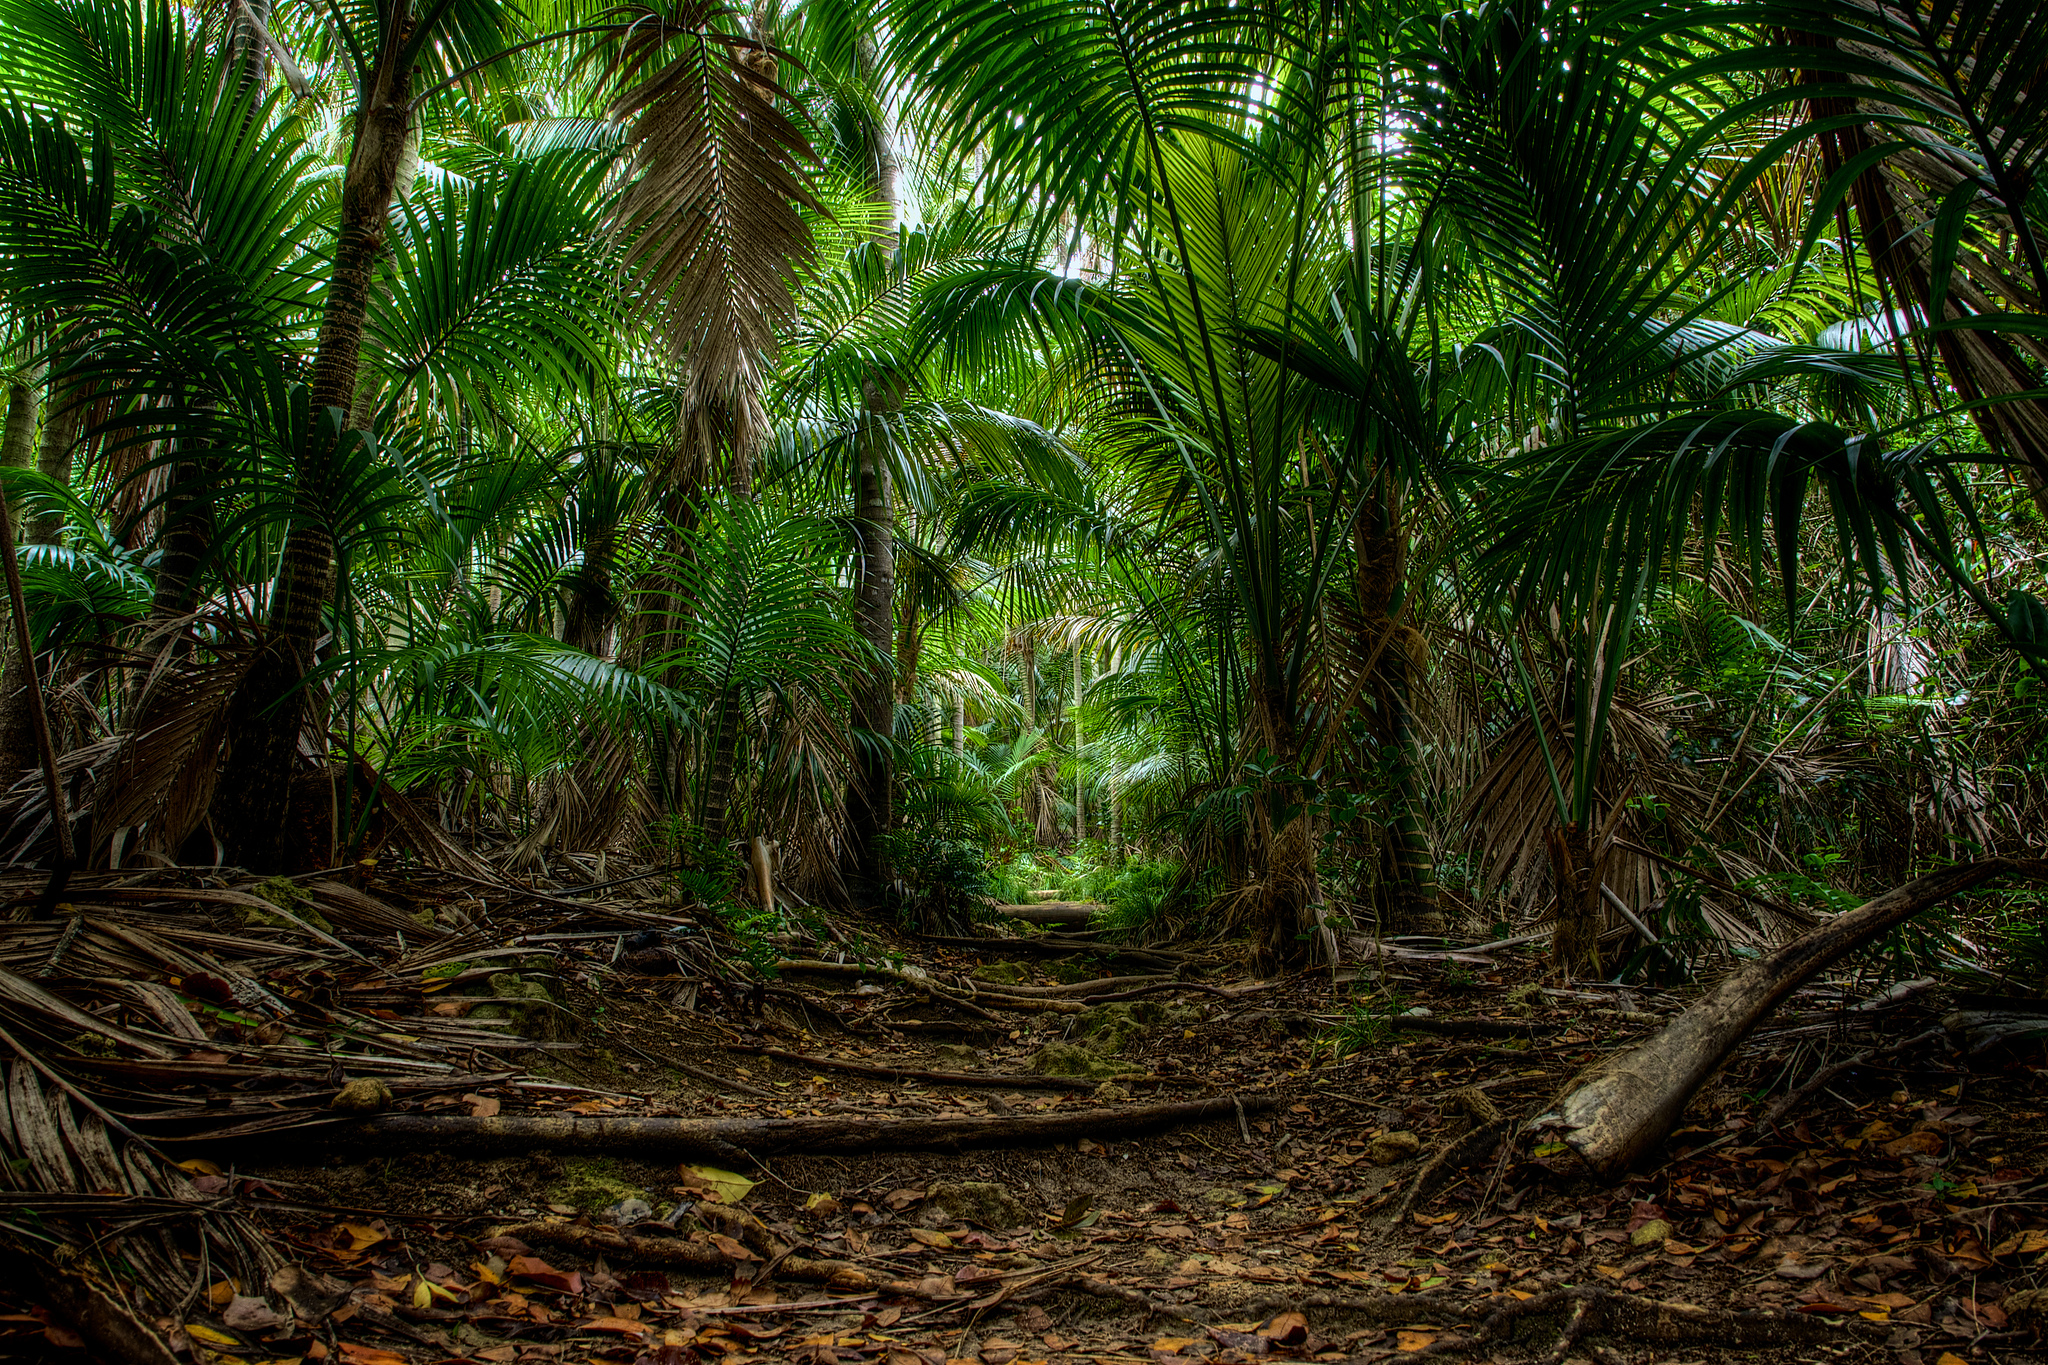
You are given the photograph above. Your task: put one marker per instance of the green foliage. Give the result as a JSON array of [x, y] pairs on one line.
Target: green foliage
[[945, 882]]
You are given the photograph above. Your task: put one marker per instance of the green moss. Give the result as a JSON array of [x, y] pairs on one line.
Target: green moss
[[1073, 1059], [528, 1005], [1004, 973], [286, 895], [593, 1184]]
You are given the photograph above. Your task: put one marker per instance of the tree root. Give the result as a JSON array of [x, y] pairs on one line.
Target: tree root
[[1448, 1158]]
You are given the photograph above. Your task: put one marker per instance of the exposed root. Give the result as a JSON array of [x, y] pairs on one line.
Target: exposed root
[[1447, 1159], [1583, 1312]]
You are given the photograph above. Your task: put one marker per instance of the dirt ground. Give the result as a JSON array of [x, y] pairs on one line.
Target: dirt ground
[[1895, 1214]]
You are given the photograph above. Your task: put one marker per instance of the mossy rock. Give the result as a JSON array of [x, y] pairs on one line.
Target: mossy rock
[[980, 1202], [1073, 1059], [1112, 1028], [594, 1184], [1002, 973], [288, 896]]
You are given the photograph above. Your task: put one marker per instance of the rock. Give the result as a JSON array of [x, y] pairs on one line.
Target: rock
[[1071, 1059], [627, 1212], [365, 1095], [528, 1005], [1002, 973], [1654, 1233], [957, 1057], [975, 1201], [595, 1185], [1388, 1148], [1112, 1028], [1109, 1092]]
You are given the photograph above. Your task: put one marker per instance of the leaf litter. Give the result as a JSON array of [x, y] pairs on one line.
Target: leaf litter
[[175, 1055]]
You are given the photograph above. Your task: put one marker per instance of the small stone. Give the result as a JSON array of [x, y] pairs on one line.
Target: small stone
[[365, 1095], [1388, 1148], [1654, 1233], [1109, 1092], [627, 1212]]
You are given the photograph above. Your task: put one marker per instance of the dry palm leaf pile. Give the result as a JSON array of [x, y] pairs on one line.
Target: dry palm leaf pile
[[382, 1117]]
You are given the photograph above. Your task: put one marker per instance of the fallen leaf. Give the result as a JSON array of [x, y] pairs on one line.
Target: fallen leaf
[[246, 1313], [1285, 1329], [482, 1106], [623, 1326], [1413, 1341], [731, 1248], [729, 1186]]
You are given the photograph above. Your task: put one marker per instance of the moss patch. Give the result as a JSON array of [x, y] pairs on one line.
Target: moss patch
[[1073, 1059], [593, 1184], [286, 895], [1003, 973]]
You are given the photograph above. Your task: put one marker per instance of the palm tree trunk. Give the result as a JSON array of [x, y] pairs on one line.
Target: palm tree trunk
[[270, 705], [1575, 941], [870, 796], [63, 424], [1285, 856], [17, 723], [959, 726], [1381, 554], [1080, 804]]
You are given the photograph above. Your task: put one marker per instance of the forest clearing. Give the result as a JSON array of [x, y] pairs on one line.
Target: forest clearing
[[1021, 681]]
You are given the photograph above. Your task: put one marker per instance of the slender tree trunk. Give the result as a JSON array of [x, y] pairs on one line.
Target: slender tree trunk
[[1575, 941], [1380, 551], [1037, 786], [870, 796], [17, 722], [1080, 804], [1286, 848], [63, 425], [959, 726], [270, 706]]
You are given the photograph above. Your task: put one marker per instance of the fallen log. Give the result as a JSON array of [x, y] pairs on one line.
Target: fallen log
[[735, 1139], [1052, 912], [981, 1080], [1621, 1109]]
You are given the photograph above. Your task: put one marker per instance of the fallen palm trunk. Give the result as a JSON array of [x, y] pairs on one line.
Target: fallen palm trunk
[[1051, 912], [982, 1080], [1628, 1104], [730, 1139]]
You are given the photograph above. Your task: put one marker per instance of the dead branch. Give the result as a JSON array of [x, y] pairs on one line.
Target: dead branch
[[1625, 1106], [1051, 912], [1792, 1101]]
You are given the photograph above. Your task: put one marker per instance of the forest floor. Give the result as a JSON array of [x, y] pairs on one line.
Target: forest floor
[[1334, 1209]]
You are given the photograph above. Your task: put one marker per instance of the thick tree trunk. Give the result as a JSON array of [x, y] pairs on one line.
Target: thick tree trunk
[[1625, 1106], [870, 797], [253, 796], [17, 725]]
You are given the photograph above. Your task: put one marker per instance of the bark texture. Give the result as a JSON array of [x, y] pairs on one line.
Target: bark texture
[[870, 796]]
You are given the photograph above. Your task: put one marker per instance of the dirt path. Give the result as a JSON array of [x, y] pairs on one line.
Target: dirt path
[[1357, 1209]]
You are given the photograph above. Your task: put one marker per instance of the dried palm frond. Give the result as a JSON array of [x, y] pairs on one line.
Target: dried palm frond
[[714, 221]]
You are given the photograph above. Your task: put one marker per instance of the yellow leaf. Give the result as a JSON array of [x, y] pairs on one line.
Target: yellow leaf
[[422, 1294], [1413, 1341], [936, 1240], [729, 1186], [199, 1331], [1172, 1345], [221, 1293], [1950, 1358], [200, 1166], [1875, 1315]]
